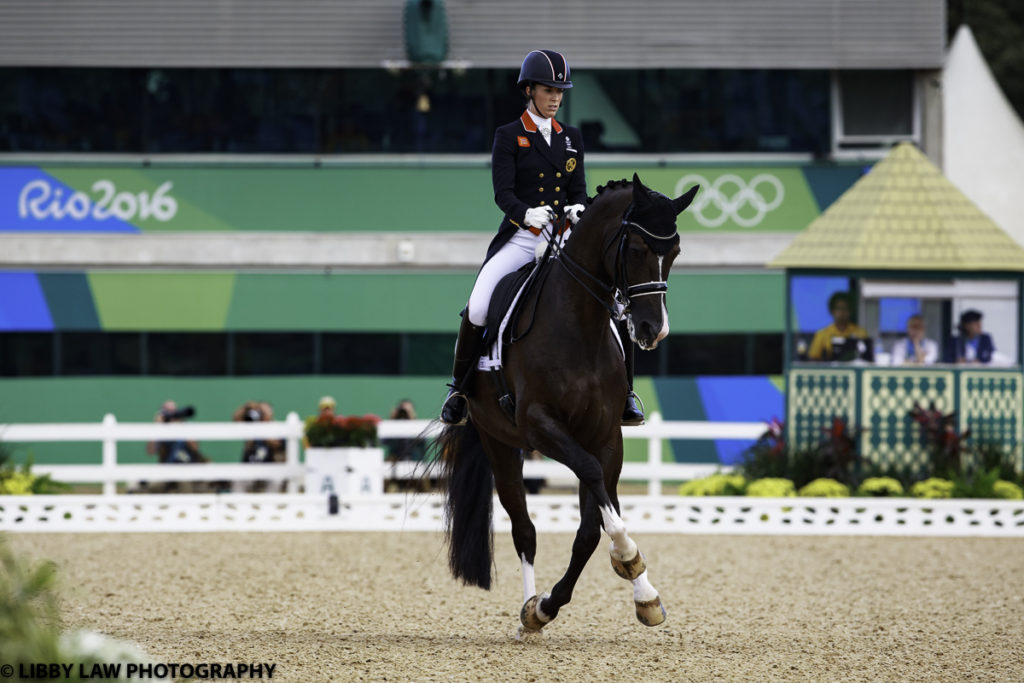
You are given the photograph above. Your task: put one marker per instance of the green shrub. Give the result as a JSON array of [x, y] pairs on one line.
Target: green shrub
[[771, 487], [825, 488], [932, 488], [1007, 490], [717, 484], [880, 487]]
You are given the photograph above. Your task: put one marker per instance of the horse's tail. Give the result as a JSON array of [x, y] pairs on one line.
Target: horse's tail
[[469, 488]]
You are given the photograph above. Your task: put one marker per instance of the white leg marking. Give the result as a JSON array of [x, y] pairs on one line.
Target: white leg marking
[[623, 548], [529, 580], [642, 589]]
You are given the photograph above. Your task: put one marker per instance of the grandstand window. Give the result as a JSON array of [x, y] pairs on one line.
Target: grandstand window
[[273, 353], [253, 354], [875, 107], [100, 353], [361, 354], [186, 353], [338, 111], [26, 354]]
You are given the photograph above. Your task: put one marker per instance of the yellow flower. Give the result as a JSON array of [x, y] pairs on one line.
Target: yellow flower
[[825, 488], [1007, 490], [771, 487], [932, 488], [18, 484], [716, 485], [880, 486]]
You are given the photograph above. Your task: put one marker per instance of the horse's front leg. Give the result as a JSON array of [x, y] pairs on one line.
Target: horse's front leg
[[629, 563]]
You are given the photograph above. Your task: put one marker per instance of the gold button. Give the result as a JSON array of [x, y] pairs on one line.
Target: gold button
[[541, 175], [540, 189], [557, 175], [542, 202], [555, 202], [557, 189]]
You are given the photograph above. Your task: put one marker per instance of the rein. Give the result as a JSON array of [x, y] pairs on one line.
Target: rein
[[624, 292]]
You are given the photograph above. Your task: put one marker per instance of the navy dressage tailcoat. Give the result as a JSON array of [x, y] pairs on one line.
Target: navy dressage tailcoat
[[527, 172]]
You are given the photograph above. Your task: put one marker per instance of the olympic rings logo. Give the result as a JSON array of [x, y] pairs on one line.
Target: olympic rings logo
[[728, 195]]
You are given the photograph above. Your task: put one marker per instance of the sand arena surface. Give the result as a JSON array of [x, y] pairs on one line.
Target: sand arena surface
[[374, 607]]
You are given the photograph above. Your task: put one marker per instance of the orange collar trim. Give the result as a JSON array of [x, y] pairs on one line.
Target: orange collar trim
[[531, 127]]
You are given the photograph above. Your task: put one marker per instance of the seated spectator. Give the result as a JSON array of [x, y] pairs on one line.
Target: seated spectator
[[915, 349], [405, 448], [259, 450], [325, 410], [174, 452], [842, 328], [971, 346]]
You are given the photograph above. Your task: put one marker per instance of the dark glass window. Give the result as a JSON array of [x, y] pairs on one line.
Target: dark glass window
[[333, 111], [878, 103], [100, 353], [186, 353], [428, 354], [273, 353], [708, 354], [24, 354], [361, 354]]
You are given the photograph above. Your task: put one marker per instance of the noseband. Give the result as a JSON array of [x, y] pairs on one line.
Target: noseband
[[624, 293]]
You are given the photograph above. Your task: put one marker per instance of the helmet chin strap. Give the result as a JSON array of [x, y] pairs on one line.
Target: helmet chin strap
[[533, 104]]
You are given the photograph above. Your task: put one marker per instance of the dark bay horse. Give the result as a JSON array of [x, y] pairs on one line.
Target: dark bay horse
[[569, 382]]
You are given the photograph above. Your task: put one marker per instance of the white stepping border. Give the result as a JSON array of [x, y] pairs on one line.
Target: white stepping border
[[423, 512]]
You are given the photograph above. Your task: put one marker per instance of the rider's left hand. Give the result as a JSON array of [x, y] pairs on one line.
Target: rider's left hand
[[573, 211]]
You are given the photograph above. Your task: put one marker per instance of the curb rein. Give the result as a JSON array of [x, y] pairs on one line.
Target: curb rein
[[622, 292]]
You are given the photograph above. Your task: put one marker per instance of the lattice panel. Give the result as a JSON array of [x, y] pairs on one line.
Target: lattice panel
[[815, 397], [891, 437], [991, 406]]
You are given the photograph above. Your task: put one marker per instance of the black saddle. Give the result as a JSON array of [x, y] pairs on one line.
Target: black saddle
[[530, 278]]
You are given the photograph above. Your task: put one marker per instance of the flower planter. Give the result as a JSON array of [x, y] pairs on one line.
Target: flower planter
[[347, 472]]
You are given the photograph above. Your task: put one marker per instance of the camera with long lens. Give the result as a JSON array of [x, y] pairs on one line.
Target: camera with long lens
[[182, 413], [252, 415]]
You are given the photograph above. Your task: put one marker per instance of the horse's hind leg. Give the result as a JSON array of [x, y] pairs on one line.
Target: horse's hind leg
[[507, 466]]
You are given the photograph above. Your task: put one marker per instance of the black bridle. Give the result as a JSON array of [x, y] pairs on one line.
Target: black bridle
[[622, 292]]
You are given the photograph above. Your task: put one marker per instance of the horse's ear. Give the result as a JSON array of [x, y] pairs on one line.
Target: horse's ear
[[681, 202], [640, 195]]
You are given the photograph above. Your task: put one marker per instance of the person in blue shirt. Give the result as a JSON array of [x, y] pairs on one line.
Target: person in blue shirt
[[971, 346]]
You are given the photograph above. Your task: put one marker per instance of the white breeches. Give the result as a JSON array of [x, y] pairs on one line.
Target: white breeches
[[516, 253]]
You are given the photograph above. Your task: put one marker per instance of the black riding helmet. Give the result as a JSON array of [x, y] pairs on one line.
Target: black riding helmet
[[546, 67]]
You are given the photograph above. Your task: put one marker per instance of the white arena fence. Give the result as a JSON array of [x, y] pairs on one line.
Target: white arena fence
[[110, 433], [111, 512]]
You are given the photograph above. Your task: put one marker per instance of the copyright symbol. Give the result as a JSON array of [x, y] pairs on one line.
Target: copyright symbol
[[6, 671]]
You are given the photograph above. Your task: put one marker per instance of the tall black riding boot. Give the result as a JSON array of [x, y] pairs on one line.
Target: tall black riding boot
[[633, 413], [467, 353]]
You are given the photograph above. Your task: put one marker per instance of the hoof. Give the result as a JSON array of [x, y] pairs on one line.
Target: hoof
[[531, 616], [630, 569], [651, 612]]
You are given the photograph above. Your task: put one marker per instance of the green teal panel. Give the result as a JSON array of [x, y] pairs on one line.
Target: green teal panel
[[379, 302], [679, 399], [70, 301], [719, 302], [829, 182], [162, 301]]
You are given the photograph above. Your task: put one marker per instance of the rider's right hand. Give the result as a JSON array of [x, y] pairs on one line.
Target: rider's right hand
[[539, 216]]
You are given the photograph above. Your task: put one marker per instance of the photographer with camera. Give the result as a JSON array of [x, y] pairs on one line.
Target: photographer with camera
[[173, 452], [259, 450]]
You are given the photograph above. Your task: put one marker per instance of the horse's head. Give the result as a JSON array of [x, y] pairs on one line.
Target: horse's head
[[648, 246]]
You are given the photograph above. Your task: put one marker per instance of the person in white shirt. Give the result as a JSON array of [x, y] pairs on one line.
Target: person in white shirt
[[915, 349]]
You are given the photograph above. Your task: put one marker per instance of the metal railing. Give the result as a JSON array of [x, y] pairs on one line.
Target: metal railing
[[109, 433]]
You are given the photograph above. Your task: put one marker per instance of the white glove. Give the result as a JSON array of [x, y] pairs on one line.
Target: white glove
[[539, 216], [573, 211]]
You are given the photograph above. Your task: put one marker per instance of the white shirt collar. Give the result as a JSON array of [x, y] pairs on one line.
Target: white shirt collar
[[540, 120]]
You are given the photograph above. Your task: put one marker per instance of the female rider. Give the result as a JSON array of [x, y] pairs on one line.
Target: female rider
[[539, 183]]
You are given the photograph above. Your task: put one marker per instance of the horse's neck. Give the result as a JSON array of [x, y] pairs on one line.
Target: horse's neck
[[593, 236]]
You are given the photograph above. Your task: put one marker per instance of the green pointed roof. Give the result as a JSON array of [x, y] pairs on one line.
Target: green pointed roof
[[903, 215]]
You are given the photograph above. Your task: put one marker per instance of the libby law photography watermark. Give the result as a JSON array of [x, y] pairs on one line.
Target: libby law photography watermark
[[137, 671]]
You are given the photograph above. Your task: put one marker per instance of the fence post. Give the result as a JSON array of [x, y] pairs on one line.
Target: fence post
[[291, 449], [109, 455], [654, 457]]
